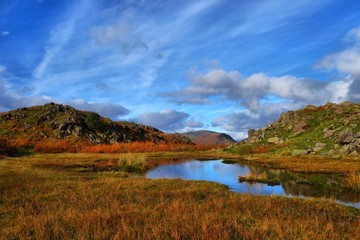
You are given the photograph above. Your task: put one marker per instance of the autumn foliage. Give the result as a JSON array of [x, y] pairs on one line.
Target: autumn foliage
[[143, 147], [261, 149], [55, 147], [62, 146]]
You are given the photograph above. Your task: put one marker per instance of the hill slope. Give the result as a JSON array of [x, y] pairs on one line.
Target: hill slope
[[331, 130], [55, 121], [209, 137]]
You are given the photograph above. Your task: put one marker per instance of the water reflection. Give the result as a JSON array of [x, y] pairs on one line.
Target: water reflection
[[292, 184]]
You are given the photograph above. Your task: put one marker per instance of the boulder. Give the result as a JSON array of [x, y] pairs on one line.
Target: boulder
[[357, 148], [275, 140], [354, 153], [357, 135], [318, 147], [346, 136], [300, 152], [328, 133], [346, 149], [300, 127]]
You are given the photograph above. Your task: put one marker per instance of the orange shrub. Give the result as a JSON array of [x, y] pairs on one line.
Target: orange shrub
[[58, 146], [143, 147], [261, 149]]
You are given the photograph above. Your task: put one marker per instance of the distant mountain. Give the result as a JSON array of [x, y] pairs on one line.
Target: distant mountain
[[330, 130], [55, 121], [209, 137]]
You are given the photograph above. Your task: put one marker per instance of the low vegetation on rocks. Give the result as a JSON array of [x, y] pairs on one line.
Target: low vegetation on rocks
[[331, 130], [54, 128]]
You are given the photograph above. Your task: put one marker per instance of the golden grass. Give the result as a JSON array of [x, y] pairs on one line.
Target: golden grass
[[43, 203], [133, 159], [352, 179], [260, 178]]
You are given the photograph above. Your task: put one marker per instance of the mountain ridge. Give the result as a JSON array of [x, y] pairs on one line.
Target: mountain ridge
[[209, 137]]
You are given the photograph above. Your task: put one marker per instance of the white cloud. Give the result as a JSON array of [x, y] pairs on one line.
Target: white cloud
[[5, 33], [347, 61], [250, 91]]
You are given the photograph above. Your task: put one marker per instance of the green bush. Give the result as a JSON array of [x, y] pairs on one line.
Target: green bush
[[93, 120]]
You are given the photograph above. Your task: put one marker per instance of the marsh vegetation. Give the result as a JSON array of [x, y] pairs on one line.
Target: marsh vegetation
[[42, 197]]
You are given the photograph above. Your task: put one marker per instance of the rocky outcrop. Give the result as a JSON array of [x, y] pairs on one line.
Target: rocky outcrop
[[346, 136], [275, 140], [56, 121], [330, 129]]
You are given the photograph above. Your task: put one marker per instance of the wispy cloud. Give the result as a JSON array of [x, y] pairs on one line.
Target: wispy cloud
[[264, 16], [59, 37], [149, 73], [119, 34]]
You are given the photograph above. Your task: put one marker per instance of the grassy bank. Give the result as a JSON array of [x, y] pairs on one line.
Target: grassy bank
[[40, 199], [306, 164]]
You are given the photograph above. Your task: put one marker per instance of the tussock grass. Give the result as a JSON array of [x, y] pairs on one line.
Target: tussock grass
[[352, 180], [133, 159], [259, 178], [44, 203]]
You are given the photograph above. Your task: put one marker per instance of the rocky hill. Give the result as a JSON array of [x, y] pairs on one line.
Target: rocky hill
[[332, 130], [209, 137], [55, 121]]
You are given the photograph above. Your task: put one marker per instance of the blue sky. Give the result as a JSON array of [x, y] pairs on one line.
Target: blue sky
[[180, 65]]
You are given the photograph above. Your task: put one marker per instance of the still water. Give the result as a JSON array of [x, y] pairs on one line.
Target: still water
[[292, 184]]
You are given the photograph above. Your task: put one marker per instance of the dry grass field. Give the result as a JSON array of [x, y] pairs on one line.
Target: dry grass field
[[51, 197]]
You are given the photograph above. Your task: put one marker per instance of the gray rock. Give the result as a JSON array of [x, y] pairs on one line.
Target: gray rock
[[357, 148], [275, 140], [346, 149], [318, 147], [300, 152], [328, 133], [346, 136], [357, 135], [300, 127], [354, 153]]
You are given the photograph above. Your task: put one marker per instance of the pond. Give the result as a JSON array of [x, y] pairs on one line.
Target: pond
[[292, 184]]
